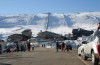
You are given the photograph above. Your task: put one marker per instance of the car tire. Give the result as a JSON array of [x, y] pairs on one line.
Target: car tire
[[84, 56], [79, 54], [82, 53], [95, 60]]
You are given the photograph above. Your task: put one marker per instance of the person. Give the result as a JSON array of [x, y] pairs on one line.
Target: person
[[22, 47], [17, 46], [32, 45], [0, 49], [97, 32], [28, 45], [63, 46], [67, 47], [57, 46]]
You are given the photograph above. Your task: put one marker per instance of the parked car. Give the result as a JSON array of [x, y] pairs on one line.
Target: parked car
[[81, 47], [1, 40], [4, 49], [69, 47], [92, 50]]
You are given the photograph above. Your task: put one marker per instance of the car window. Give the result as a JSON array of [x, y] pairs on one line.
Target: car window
[[84, 42], [91, 38]]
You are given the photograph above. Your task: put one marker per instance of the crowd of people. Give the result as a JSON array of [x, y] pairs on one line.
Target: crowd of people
[[16, 47], [63, 46]]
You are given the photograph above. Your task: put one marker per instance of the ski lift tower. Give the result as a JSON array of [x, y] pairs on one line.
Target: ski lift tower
[[65, 23], [47, 25], [65, 20], [30, 20], [48, 20]]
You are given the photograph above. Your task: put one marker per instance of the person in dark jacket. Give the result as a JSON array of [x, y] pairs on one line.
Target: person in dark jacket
[[17, 46], [28, 45], [63, 46], [0, 49], [57, 46]]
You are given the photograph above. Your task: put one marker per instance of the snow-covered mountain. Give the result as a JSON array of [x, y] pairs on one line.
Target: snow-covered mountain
[[58, 23]]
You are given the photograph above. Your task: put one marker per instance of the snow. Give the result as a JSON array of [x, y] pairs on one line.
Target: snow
[[57, 23]]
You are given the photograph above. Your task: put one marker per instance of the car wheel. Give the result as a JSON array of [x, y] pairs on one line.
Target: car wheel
[[79, 54], [95, 60], [82, 53], [84, 56]]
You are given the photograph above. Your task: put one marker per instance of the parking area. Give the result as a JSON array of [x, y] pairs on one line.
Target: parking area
[[43, 56]]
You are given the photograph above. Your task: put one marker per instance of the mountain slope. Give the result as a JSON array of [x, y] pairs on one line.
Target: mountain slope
[[58, 23]]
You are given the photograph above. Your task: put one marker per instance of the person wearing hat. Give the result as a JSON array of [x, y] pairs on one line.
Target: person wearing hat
[[97, 32]]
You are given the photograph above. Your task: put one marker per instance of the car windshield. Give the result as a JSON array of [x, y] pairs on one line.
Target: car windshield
[[91, 38]]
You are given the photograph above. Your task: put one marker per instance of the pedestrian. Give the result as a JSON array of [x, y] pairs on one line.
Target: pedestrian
[[67, 47], [17, 46], [63, 47], [57, 46], [32, 45], [28, 45], [8, 47], [0, 49], [22, 47], [43, 45], [97, 34]]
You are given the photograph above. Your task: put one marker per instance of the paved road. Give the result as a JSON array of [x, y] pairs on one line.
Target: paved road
[[41, 56]]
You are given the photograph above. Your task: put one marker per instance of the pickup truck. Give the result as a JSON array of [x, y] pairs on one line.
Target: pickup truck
[[92, 50]]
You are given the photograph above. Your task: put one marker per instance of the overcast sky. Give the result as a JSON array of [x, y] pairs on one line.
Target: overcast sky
[[45, 6]]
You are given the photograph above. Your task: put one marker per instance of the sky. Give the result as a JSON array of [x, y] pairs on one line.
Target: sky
[[45, 6]]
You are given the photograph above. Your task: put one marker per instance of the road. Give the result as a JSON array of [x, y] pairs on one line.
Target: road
[[42, 56]]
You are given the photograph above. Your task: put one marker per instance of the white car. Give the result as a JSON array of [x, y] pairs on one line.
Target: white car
[[92, 50], [80, 48]]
